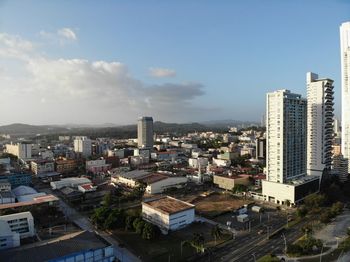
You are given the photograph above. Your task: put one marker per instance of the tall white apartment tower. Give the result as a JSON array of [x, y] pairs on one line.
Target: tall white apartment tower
[[345, 82], [320, 131], [286, 136], [82, 145], [145, 132]]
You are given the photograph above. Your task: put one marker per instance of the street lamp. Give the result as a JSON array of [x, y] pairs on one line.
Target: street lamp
[[285, 243], [254, 257], [268, 231]]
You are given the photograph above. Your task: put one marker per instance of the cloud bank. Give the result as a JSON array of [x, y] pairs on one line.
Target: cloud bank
[[161, 72], [48, 90]]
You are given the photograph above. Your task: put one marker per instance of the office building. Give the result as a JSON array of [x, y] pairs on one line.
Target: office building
[[286, 136], [345, 83], [340, 167], [21, 150], [319, 124], [82, 145], [145, 132], [42, 166]]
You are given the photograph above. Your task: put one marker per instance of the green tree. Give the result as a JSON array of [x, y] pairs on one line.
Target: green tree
[[239, 189], [216, 232], [136, 222], [129, 222], [107, 200], [115, 219], [302, 211], [307, 230], [139, 227], [314, 200], [100, 215], [149, 231]]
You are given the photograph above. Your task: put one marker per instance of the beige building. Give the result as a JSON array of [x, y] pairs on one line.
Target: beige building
[[65, 165], [229, 182], [22, 151], [42, 166]]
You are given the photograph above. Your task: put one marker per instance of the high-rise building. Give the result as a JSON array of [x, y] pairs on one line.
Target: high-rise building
[[340, 167], [82, 145], [145, 132], [21, 150], [345, 82], [286, 136], [319, 124], [336, 127]]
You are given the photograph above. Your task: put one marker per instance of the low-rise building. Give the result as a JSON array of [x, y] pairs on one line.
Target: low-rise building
[[15, 227], [168, 213], [42, 166], [77, 246], [166, 155], [221, 162], [69, 182], [97, 166], [293, 192], [86, 188], [65, 165], [17, 179], [7, 197], [198, 162], [228, 182], [5, 185]]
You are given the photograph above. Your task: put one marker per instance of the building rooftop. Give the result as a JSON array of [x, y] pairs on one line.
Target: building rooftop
[[35, 201], [60, 247], [152, 178], [168, 205], [134, 174]]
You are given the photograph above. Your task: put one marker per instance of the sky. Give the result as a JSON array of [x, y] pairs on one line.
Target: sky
[[96, 62]]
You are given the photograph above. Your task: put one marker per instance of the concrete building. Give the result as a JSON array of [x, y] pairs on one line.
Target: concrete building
[[168, 213], [293, 192], [21, 150], [97, 166], [17, 179], [15, 227], [42, 166], [65, 165], [345, 83], [260, 144], [145, 132], [69, 182], [286, 136], [221, 162], [340, 167], [319, 124], [198, 162], [155, 182], [5, 185], [229, 182], [77, 246], [83, 146]]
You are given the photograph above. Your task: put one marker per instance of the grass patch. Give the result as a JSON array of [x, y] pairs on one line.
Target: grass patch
[[168, 245], [268, 258]]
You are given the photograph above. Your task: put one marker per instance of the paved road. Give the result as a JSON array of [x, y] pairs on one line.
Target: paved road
[[122, 254], [244, 247]]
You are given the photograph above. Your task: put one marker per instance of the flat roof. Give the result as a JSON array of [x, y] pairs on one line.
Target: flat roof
[[152, 178], [53, 249], [35, 201], [134, 174], [168, 205]]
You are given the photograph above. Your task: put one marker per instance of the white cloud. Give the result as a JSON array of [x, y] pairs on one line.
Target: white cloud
[[68, 90], [161, 72], [67, 33], [62, 36]]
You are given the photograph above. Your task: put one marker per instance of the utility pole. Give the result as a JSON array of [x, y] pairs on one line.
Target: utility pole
[[285, 243]]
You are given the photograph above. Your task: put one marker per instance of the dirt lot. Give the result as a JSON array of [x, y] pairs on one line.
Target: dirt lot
[[216, 204]]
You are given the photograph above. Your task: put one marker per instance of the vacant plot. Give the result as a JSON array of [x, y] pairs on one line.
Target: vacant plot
[[216, 204], [168, 247]]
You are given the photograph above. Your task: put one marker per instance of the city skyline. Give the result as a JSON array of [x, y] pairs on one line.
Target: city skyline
[[62, 68]]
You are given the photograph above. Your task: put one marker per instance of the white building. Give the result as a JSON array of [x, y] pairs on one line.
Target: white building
[[21, 150], [145, 132], [345, 82], [198, 162], [82, 145], [319, 124], [15, 227], [168, 213], [4, 185], [69, 182], [221, 162], [286, 136], [97, 166], [42, 166], [293, 192]]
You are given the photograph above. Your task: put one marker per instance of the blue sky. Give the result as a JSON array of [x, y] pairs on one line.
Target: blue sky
[[179, 61]]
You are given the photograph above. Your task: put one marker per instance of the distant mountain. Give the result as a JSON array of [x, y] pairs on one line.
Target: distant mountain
[[229, 122], [18, 129]]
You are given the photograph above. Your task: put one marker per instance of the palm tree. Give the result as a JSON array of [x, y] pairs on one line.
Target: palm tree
[[307, 230], [216, 232], [197, 242]]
